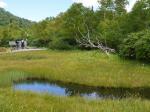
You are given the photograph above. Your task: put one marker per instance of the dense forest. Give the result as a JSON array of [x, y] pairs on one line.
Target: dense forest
[[110, 25], [12, 27]]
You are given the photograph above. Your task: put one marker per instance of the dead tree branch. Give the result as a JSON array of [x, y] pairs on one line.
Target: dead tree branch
[[88, 43]]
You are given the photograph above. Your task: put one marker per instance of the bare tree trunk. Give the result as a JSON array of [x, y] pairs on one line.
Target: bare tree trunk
[[87, 42]]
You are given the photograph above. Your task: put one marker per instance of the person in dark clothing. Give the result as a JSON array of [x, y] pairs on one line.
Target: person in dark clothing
[[17, 44]]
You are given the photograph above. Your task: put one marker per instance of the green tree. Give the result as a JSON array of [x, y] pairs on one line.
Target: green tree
[[120, 6], [107, 8], [139, 17]]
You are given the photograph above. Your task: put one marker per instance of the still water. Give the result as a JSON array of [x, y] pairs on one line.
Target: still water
[[70, 89]]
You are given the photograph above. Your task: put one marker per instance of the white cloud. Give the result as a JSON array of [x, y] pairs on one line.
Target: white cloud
[[89, 3], [2, 4]]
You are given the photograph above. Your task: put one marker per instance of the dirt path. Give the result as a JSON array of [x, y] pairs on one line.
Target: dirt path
[[32, 49], [24, 50]]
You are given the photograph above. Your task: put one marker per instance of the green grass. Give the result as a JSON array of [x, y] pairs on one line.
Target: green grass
[[29, 102], [88, 68], [82, 67]]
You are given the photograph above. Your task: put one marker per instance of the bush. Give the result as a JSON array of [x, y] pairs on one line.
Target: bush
[[4, 42], [137, 46], [40, 42], [60, 44]]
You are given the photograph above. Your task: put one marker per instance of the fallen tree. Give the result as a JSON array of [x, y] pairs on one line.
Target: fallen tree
[[86, 41]]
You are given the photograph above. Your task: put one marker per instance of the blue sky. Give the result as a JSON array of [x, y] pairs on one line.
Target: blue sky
[[37, 10]]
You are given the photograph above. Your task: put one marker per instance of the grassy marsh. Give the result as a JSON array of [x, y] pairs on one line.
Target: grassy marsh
[[88, 68], [82, 67], [29, 102]]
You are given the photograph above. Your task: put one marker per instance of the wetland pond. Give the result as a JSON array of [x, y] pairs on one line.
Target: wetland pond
[[69, 89]]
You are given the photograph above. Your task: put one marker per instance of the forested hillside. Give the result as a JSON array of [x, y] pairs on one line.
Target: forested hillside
[[7, 18], [110, 26], [12, 27]]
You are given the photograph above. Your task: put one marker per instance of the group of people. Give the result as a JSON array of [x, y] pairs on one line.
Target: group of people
[[21, 44]]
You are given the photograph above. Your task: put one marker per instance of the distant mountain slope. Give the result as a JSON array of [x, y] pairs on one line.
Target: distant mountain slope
[[6, 18]]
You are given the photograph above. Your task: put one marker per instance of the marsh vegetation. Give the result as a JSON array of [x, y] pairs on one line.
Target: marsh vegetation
[[89, 69]]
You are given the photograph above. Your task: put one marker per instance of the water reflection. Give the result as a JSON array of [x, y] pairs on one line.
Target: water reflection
[[70, 89]]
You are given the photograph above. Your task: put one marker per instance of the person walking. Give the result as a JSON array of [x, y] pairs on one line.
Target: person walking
[[17, 44], [22, 44]]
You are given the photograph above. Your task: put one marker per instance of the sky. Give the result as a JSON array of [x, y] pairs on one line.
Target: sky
[[37, 10]]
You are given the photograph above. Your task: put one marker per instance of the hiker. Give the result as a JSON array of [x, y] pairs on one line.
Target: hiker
[[17, 44], [25, 43], [22, 44]]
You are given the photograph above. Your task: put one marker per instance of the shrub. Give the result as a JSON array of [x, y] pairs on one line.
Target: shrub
[[60, 44], [40, 42], [137, 46]]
